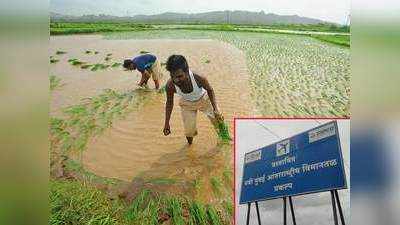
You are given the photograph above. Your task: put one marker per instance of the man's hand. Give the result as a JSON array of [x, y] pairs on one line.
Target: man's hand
[[167, 130], [218, 116]]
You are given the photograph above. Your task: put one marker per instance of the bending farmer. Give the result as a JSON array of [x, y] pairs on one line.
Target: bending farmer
[[148, 66], [196, 95]]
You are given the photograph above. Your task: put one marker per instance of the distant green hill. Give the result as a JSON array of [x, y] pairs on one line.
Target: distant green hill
[[232, 17]]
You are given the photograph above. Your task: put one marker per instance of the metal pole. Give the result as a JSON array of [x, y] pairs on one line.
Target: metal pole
[[284, 211], [334, 208], [248, 213], [339, 207], [258, 214], [292, 210]]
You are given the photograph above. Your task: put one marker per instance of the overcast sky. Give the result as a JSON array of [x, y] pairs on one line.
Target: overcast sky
[[313, 209], [328, 10]]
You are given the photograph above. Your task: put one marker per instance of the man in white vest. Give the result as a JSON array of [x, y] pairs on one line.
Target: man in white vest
[[196, 95]]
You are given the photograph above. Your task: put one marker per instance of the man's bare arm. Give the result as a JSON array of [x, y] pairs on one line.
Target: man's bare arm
[[210, 91], [169, 105], [145, 78]]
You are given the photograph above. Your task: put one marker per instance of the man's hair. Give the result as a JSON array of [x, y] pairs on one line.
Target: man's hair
[[127, 62], [176, 62]]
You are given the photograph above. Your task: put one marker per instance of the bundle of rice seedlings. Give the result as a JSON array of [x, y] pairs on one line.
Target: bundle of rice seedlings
[[75, 62], [116, 64], [60, 52]]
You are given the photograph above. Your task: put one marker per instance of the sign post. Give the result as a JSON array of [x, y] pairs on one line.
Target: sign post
[[309, 162]]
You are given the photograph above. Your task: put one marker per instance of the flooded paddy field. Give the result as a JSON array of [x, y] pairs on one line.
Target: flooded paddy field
[[113, 129]]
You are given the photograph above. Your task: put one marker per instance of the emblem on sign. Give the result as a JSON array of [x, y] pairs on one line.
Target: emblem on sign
[[283, 148], [253, 156]]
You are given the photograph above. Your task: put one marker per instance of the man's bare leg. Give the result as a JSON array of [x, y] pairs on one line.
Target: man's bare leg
[[189, 140]]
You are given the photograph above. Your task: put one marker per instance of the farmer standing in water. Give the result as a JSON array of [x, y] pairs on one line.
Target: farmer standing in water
[[148, 66], [196, 95]]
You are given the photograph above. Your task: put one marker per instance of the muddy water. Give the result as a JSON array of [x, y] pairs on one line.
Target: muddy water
[[135, 146]]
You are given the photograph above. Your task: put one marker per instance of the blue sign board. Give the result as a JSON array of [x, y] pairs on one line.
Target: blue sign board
[[305, 163]]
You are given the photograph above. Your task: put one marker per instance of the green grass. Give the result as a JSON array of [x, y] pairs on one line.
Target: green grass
[[174, 209], [216, 185], [64, 28], [72, 202], [197, 184], [162, 181], [55, 82], [334, 39], [197, 214], [213, 217], [227, 175], [228, 207], [104, 27]]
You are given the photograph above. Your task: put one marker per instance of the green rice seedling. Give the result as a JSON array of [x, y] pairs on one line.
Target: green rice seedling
[[197, 213], [227, 174], [212, 216], [107, 58], [162, 89], [99, 66], [96, 52], [75, 62], [216, 185], [60, 52], [174, 209], [150, 213], [196, 184], [143, 52], [54, 82], [116, 65], [207, 61], [88, 52], [223, 131], [86, 66], [109, 54], [228, 206], [163, 181], [91, 118], [53, 60], [136, 207]]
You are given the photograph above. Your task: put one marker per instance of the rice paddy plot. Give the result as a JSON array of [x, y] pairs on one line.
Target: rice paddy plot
[[290, 75]]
